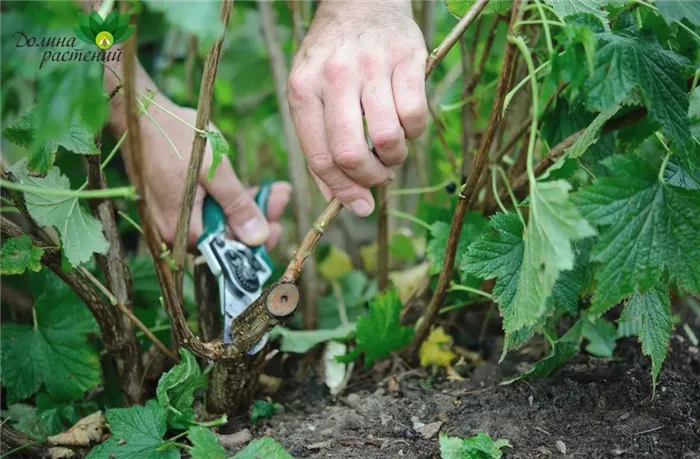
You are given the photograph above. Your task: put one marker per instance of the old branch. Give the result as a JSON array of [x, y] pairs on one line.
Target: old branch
[[297, 168], [467, 192], [118, 280], [198, 146]]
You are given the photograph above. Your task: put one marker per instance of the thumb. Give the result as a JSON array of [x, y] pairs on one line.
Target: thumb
[[242, 214]]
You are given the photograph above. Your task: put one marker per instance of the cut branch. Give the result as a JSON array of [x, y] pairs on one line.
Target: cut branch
[[297, 168], [467, 192], [198, 146]]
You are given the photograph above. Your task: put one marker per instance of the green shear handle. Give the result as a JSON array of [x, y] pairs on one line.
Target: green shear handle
[[214, 219]]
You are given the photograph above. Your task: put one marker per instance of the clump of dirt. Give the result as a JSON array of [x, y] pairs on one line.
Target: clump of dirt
[[591, 408]]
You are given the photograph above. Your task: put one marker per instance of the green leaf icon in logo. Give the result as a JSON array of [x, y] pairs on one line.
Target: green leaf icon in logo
[[114, 29]]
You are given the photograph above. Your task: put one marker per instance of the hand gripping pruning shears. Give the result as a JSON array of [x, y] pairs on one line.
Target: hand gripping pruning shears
[[240, 270]]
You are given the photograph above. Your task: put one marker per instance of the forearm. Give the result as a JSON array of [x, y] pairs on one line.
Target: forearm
[[364, 7]]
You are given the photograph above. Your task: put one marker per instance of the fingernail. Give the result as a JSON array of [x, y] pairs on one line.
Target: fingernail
[[361, 208], [254, 231]]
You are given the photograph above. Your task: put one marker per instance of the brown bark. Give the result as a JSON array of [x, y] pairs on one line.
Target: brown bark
[[206, 294], [382, 238], [118, 280], [194, 167], [467, 193]]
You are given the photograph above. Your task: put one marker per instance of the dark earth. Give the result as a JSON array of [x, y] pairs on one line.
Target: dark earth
[[590, 408]]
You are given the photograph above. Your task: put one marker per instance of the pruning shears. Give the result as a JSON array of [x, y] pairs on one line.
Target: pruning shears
[[240, 270]]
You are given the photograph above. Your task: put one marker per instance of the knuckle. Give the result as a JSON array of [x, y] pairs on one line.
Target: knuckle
[[395, 157], [299, 86], [415, 119], [335, 70], [351, 159], [319, 163], [387, 138]]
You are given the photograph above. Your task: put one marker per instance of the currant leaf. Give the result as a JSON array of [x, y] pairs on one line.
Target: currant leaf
[[18, 254], [81, 234], [647, 227], [62, 359], [653, 307]]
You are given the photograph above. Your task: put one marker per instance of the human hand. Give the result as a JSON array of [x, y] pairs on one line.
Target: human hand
[[164, 179], [358, 56]]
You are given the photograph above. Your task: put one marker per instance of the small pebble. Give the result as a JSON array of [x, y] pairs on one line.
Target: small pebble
[[561, 447], [530, 399]]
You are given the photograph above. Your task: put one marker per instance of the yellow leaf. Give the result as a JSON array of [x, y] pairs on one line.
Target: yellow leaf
[[368, 255], [336, 263], [88, 429], [436, 349], [411, 282]]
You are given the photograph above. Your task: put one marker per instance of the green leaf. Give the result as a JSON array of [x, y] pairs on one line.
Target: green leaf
[[26, 418], [194, 18], [553, 225], [628, 328], [219, 149], [81, 234], [61, 357], [137, 432], [18, 254], [262, 409], [648, 227], [77, 137], [67, 92], [480, 446], [205, 444], [562, 351], [571, 7], [677, 10], [601, 335], [176, 389], [592, 133], [627, 62], [460, 7], [263, 448], [474, 225], [302, 341], [500, 255], [380, 333], [653, 307], [355, 291]]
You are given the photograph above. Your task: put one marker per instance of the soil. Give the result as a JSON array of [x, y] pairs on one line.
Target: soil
[[590, 408]]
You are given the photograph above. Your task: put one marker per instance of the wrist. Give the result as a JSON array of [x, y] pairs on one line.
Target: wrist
[[365, 8]]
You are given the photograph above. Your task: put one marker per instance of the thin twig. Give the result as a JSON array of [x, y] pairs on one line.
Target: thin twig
[[194, 167], [382, 238], [296, 162], [130, 315], [457, 31], [467, 192], [555, 153]]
